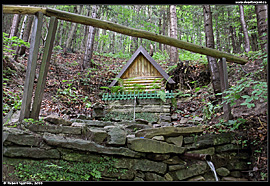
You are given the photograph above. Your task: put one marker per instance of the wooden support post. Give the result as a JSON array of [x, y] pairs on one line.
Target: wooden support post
[[44, 68], [224, 86], [31, 67]]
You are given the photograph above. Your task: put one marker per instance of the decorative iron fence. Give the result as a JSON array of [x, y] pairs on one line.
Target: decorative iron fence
[[131, 95]]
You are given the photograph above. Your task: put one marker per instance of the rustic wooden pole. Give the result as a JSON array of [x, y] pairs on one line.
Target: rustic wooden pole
[[76, 18], [44, 68], [31, 67], [224, 86]]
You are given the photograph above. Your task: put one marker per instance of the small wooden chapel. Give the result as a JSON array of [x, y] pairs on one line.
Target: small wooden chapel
[[142, 71]]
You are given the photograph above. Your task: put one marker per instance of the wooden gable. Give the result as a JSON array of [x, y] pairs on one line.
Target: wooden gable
[[143, 71], [141, 67]]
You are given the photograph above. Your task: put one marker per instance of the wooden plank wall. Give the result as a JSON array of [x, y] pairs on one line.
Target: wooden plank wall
[[142, 72], [141, 67]]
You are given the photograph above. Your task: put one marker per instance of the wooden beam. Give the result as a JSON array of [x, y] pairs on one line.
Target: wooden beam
[[31, 67], [11, 9], [127, 31], [44, 68]]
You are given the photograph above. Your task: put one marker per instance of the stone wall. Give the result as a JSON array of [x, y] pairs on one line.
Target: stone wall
[[139, 152], [145, 105]]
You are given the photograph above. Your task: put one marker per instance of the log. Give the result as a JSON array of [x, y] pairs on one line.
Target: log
[[44, 69], [31, 67], [124, 30]]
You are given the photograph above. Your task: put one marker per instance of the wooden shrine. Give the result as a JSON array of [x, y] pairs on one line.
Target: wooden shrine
[[142, 71]]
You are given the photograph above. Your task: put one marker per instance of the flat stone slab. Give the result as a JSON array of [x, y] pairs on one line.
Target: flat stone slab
[[168, 131], [84, 145], [142, 165], [34, 152], [56, 129], [154, 146], [21, 137]]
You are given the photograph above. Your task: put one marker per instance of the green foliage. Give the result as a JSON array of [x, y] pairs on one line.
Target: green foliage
[[60, 170], [259, 92], [161, 56], [14, 41], [70, 94], [11, 99], [162, 95], [193, 57], [33, 121], [231, 125], [209, 110], [114, 89], [119, 54]]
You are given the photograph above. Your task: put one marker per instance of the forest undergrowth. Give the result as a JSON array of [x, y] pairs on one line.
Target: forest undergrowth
[[71, 91]]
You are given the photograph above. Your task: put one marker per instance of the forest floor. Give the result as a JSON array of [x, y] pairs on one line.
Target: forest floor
[[70, 92]]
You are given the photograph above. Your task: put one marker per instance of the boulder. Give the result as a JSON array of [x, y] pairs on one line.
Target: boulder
[[116, 136], [168, 131], [159, 138], [98, 110], [196, 168], [222, 171], [54, 119], [98, 135], [154, 146], [178, 141], [149, 176], [196, 178]]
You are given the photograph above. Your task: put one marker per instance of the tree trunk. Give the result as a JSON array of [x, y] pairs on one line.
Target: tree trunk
[[90, 42], [261, 12], [73, 28], [232, 39], [173, 34], [217, 28], [209, 37], [21, 35], [15, 24], [26, 34], [244, 26], [254, 44]]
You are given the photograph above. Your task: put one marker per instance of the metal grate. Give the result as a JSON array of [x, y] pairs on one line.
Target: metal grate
[[130, 95]]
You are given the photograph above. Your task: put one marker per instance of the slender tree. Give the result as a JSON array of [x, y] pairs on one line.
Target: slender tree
[[209, 37], [261, 12], [244, 26], [90, 42], [21, 36], [77, 9], [173, 34], [15, 24]]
